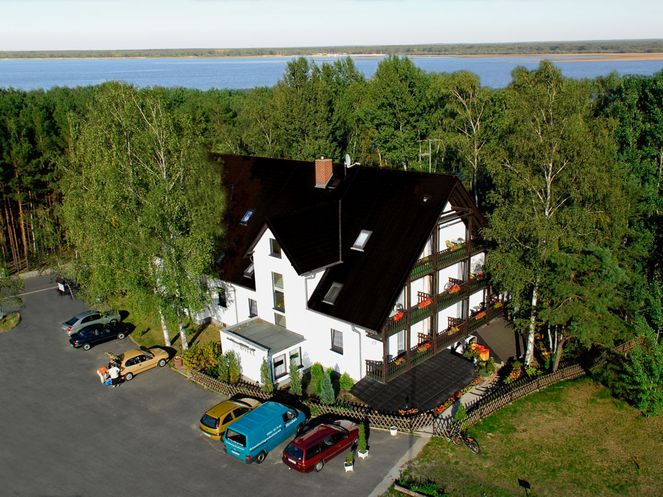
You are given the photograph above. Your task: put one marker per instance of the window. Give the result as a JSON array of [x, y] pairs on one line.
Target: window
[[332, 293], [337, 341], [227, 419], [223, 302], [279, 319], [400, 338], [361, 240], [279, 295], [236, 437], [279, 366], [245, 218], [296, 356], [253, 308], [240, 411], [274, 248], [248, 272]]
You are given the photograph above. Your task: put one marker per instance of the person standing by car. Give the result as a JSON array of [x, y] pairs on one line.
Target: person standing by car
[[114, 373]]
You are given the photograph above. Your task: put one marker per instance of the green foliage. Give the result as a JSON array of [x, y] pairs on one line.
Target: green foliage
[[316, 374], [461, 413], [9, 287], [223, 369], [234, 370], [295, 378], [350, 458], [362, 445], [345, 382], [202, 358], [327, 395], [9, 321], [266, 384]]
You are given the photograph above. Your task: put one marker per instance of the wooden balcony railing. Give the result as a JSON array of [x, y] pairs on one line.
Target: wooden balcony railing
[[428, 346], [445, 258]]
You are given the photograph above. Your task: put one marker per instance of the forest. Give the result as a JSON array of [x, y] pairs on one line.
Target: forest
[[115, 182]]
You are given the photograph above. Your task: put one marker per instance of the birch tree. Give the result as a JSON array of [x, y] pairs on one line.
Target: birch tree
[[557, 193], [142, 205]]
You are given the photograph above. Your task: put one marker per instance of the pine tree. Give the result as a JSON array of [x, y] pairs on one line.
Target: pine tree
[[266, 384], [327, 395], [222, 369], [295, 378], [234, 371]]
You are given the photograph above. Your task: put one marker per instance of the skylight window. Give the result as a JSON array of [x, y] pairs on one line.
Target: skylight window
[[245, 218], [361, 240], [332, 293], [248, 272]]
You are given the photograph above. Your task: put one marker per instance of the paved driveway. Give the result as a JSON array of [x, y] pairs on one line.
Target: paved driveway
[[64, 435]]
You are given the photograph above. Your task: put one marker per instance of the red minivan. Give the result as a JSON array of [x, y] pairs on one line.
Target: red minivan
[[324, 442]]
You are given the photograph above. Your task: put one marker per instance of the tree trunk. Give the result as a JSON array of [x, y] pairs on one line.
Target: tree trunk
[[164, 328], [558, 351], [185, 344], [529, 350]]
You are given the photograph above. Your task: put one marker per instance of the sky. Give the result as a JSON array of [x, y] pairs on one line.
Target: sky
[[140, 24]]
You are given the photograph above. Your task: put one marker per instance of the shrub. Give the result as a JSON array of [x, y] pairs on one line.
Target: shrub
[[316, 373], [266, 384], [643, 376], [295, 378], [327, 395], [461, 413], [202, 357], [345, 383], [362, 446], [234, 371], [222, 370]]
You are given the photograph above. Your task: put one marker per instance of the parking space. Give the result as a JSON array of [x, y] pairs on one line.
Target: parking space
[[65, 435]]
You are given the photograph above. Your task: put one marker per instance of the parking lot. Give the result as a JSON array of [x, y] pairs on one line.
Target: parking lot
[[65, 435]]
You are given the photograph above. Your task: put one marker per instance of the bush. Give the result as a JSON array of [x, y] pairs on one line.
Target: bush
[[234, 371], [316, 373], [295, 378], [222, 369], [345, 383], [643, 376], [327, 395], [461, 413], [362, 446], [202, 358], [266, 384]]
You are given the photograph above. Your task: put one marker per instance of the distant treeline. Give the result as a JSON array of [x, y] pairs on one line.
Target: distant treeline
[[562, 47]]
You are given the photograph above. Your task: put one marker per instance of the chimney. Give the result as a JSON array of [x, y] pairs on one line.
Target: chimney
[[323, 172]]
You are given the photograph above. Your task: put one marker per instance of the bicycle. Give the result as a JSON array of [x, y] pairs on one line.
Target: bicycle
[[453, 432]]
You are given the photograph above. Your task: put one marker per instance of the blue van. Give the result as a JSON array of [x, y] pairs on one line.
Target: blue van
[[251, 437]]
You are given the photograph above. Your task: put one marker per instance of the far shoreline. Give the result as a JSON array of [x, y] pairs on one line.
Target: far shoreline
[[554, 57]]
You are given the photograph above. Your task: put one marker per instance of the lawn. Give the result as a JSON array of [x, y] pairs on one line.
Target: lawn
[[572, 439]]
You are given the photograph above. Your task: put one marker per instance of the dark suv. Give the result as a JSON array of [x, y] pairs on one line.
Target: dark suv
[[96, 333]]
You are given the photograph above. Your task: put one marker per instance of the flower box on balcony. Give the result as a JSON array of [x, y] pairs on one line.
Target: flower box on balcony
[[455, 288], [480, 315], [398, 316], [454, 329], [497, 305], [425, 303], [424, 347], [398, 361]]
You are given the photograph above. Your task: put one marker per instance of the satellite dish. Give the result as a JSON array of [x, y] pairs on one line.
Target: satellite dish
[[348, 160]]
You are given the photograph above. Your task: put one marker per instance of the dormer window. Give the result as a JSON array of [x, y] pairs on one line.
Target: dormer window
[[274, 248], [248, 272], [245, 218], [361, 240], [332, 293]]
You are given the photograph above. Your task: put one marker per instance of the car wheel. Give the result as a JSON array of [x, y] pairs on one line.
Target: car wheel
[[300, 428], [260, 457], [319, 466], [87, 346], [162, 363], [121, 336], [129, 376]]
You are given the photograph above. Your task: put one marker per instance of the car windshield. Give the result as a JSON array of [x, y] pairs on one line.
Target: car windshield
[[238, 438], [294, 452], [72, 321], [210, 421]]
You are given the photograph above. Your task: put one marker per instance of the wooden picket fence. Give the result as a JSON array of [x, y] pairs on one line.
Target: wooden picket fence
[[416, 422]]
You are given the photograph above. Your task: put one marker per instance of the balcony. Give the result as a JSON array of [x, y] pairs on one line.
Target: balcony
[[445, 258], [428, 305], [428, 346]]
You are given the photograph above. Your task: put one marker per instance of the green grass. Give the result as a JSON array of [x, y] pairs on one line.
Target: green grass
[[10, 321], [572, 439]]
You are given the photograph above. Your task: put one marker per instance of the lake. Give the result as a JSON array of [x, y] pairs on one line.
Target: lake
[[249, 72]]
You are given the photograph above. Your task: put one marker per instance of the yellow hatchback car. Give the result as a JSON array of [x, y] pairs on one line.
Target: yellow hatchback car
[[135, 361], [215, 421]]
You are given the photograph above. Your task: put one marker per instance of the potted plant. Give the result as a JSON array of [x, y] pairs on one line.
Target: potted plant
[[426, 302], [349, 462], [393, 430], [178, 361], [362, 446]]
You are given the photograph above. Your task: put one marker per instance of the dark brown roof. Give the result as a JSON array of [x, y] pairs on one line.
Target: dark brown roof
[[400, 208]]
